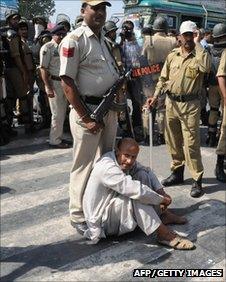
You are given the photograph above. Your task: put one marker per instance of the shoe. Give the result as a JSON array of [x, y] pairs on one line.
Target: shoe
[[211, 139], [81, 227], [60, 146], [196, 189], [68, 142], [176, 177], [161, 139]]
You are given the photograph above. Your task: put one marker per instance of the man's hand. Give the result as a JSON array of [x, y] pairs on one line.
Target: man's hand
[[92, 126], [49, 91], [150, 102], [197, 36], [165, 202]]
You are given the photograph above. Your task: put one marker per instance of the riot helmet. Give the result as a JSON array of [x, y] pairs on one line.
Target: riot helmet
[[219, 35], [11, 13], [160, 24], [109, 26]]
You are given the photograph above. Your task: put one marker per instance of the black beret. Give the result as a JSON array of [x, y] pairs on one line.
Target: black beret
[[58, 29]]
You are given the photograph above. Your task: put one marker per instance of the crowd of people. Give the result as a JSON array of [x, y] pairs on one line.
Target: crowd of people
[[173, 76]]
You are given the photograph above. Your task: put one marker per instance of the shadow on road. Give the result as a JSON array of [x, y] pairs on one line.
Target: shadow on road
[[61, 255]]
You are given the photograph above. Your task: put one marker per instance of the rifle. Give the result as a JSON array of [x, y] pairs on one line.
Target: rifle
[[108, 99]]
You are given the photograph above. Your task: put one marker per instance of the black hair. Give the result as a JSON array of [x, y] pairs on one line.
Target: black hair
[[126, 23], [84, 5]]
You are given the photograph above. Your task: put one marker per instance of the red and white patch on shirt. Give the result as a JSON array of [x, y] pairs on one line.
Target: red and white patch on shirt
[[68, 52]]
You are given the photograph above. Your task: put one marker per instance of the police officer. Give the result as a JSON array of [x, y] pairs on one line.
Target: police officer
[[110, 29], [155, 49], [44, 37], [50, 68], [40, 24], [15, 70], [30, 66], [87, 71], [214, 91], [220, 41], [182, 78]]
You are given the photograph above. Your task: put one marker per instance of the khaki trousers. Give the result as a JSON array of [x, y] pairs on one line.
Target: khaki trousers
[[214, 102], [183, 136], [16, 89], [86, 150], [58, 106], [221, 148]]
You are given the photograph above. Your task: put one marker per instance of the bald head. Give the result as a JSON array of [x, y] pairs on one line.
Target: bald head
[[126, 153]]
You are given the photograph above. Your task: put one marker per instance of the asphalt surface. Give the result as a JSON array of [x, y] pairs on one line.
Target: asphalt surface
[[39, 244]]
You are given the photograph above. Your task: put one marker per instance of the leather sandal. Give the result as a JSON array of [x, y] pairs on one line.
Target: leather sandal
[[178, 243]]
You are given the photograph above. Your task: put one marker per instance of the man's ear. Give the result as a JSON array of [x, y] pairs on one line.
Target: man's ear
[[82, 11]]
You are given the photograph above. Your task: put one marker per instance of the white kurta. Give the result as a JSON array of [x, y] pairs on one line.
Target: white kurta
[[115, 203]]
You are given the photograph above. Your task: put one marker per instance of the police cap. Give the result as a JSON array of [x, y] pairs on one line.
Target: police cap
[[160, 24], [58, 29], [23, 23], [96, 2]]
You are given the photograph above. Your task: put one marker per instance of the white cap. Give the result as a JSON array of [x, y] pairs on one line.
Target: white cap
[[188, 26]]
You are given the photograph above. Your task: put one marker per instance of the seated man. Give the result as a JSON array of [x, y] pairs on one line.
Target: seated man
[[122, 194]]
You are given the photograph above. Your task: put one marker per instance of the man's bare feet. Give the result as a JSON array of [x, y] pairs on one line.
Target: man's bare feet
[[168, 217]]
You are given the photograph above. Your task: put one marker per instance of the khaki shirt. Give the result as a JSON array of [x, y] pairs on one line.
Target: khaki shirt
[[184, 75], [222, 66], [87, 60], [49, 58], [156, 48], [28, 57], [14, 45]]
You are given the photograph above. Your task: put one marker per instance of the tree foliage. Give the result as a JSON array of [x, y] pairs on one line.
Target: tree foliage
[[31, 8]]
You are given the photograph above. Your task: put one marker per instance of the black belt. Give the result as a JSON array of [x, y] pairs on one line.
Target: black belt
[[53, 77], [183, 97], [92, 100]]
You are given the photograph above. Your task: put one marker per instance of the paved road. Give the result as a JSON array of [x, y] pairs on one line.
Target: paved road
[[38, 243]]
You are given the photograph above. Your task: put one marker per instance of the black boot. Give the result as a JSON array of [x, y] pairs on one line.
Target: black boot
[[196, 189], [161, 139], [219, 170], [211, 139], [177, 177]]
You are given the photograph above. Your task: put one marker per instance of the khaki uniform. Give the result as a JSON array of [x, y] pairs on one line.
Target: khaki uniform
[[15, 86], [86, 59], [221, 148], [184, 76], [156, 48], [30, 66], [50, 60], [214, 97]]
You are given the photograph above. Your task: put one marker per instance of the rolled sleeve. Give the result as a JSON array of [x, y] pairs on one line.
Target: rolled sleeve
[[222, 66], [69, 58], [203, 59], [164, 76]]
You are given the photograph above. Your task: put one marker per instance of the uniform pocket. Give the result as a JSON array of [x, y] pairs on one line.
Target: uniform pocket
[[191, 72]]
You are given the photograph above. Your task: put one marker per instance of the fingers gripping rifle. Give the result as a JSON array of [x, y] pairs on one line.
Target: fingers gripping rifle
[[108, 98]]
